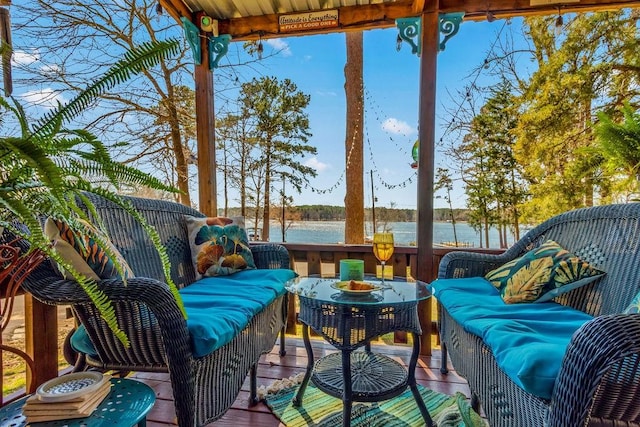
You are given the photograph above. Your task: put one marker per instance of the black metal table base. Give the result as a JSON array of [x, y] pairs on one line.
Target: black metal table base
[[361, 376]]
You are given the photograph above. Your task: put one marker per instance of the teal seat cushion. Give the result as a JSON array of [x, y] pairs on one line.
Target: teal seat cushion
[[528, 340], [218, 308]]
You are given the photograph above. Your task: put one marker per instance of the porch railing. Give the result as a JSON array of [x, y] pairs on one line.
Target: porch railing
[[41, 326]]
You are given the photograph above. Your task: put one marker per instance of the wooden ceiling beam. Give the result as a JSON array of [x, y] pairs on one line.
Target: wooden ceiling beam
[[418, 6], [361, 17], [176, 8]]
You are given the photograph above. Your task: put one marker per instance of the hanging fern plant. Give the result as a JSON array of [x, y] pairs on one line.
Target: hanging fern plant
[[46, 171]]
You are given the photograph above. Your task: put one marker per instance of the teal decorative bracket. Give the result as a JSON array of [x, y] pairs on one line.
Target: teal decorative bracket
[[192, 33], [410, 29], [218, 46], [449, 26]]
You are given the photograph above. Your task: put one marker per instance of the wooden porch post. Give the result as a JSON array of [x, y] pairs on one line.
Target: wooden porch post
[[41, 340], [205, 128], [430, 40]]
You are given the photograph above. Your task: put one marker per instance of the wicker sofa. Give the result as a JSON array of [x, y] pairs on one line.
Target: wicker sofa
[[598, 383], [203, 387]]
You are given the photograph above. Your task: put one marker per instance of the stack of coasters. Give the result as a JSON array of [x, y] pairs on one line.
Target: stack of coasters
[[70, 396]]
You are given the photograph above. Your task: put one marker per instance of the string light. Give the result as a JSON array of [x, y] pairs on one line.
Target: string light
[[490, 16], [398, 43], [559, 23], [260, 48]]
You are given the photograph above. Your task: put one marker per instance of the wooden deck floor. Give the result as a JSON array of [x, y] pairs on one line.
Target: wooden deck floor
[[273, 367]]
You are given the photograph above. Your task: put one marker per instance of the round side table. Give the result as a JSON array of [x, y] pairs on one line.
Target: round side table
[[349, 322], [127, 404]]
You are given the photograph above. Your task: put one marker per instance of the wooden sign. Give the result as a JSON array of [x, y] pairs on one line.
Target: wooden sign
[[308, 21]]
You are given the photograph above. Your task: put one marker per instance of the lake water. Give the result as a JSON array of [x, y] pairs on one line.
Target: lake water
[[404, 233]]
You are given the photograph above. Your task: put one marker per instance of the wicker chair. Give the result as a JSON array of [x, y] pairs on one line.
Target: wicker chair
[[203, 388], [599, 381]]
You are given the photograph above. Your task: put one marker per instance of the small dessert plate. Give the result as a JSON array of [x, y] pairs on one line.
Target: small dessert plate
[[70, 386], [344, 287]]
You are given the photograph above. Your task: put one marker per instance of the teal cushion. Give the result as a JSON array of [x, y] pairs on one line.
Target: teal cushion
[[81, 343], [528, 340], [218, 308]]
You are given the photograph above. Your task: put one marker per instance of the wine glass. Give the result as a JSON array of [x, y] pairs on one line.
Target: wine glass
[[383, 248]]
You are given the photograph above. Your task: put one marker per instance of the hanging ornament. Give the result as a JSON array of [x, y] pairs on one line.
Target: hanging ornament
[[414, 154]]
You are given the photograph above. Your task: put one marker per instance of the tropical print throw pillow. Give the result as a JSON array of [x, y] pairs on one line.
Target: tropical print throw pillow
[[634, 306], [84, 252], [219, 245], [542, 274]]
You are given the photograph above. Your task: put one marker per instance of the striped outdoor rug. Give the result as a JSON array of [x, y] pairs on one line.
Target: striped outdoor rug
[[321, 410]]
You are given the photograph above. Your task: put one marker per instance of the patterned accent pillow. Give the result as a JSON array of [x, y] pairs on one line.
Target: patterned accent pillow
[[219, 245], [542, 274], [84, 253], [634, 306]]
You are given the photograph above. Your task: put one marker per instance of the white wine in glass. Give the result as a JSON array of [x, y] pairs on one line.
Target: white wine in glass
[[383, 248]]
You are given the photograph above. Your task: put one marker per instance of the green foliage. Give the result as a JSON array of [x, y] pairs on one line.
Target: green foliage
[[590, 66], [48, 168], [619, 146]]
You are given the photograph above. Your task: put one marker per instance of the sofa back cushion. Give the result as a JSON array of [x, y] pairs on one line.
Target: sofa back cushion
[[634, 305], [219, 246], [85, 253], [541, 274]]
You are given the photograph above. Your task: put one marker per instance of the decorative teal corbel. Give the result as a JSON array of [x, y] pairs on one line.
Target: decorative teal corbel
[[218, 46], [410, 29], [192, 33], [449, 26]]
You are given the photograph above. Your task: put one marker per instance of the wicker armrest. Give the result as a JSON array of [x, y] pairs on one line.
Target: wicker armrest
[[270, 255], [459, 264], [600, 372]]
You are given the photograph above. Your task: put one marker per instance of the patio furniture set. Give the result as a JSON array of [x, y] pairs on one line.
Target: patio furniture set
[[596, 380]]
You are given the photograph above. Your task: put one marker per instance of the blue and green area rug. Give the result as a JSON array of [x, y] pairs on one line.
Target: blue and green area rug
[[321, 410]]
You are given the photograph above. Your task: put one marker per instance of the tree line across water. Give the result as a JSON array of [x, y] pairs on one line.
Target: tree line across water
[[337, 213]]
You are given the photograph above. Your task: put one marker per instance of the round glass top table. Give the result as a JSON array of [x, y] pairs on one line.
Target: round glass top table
[[349, 320]]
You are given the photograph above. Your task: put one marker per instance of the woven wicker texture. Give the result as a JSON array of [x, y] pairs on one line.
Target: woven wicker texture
[[599, 382], [374, 377], [348, 327], [203, 388]]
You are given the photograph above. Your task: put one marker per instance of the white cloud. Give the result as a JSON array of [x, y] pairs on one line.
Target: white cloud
[[396, 126], [21, 57], [280, 45], [316, 164], [45, 98]]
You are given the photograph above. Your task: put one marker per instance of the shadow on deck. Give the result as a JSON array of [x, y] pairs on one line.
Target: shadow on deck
[[273, 367]]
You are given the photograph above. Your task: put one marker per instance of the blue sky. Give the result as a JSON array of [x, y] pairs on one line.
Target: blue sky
[[315, 64]]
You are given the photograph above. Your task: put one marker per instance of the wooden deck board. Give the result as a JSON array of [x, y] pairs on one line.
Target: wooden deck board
[[273, 367]]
